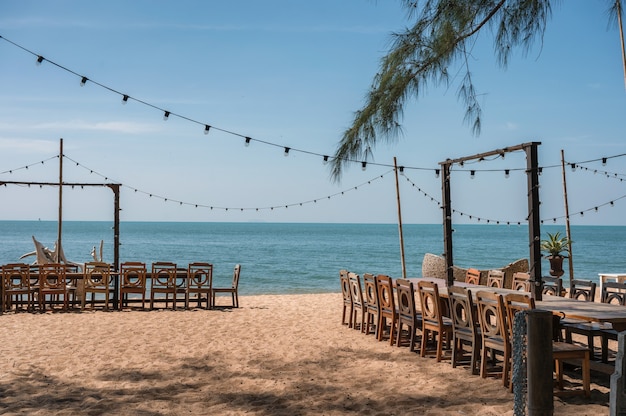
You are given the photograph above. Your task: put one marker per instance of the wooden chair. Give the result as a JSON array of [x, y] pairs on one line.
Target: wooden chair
[[96, 279], [494, 332], [433, 321], [16, 284], [465, 326], [233, 290], [561, 351], [495, 278], [163, 281], [552, 286], [347, 299], [582, 290], [371, 300], [199, 283], [407, 312], [358, 304], [132, 281], [75, 287], [615, 293], [472, 276], [52, 281], [521, 281], [388, 311]]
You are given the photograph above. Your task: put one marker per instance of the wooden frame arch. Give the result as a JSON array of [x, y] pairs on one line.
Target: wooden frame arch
[[534, 222]]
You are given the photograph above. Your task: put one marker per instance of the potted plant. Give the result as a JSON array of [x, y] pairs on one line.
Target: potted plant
[[555, 245]]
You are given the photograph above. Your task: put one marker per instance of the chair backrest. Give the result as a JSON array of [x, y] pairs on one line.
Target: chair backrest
[[385, 295], [492, 316], [521, 281], [52, 276], [462, 309], [164, 274], [16, 276], [345, 287], [133, 275], [371, 292], [430, 302], [552, 286], [356, 290], [495, 278], [583, 290], [613, 292], [406, 300], [199, 275], [96, 275], [472, 276], [515, 302], [236, 274]]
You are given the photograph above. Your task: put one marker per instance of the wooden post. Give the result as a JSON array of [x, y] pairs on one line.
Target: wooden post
[[534, 221], [617, 396], [539, 363], [60, 224], [567, 228], [447, 221], [116, 239], [395, 165]]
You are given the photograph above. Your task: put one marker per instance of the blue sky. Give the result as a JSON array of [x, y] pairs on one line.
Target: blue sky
[[292, 73]]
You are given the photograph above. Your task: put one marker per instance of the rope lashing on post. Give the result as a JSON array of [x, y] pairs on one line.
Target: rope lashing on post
[[519, 363]]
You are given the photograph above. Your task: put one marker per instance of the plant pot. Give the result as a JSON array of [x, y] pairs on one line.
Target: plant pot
[[556, 266]]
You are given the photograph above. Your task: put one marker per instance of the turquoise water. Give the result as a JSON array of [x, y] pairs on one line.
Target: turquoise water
[[305, 258]]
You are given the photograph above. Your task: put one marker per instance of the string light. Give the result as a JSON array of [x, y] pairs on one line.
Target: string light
[[573, 165], [83, 81], [604, 161], [436, 173], [125, 98], [248, 141], [401, 170], [472, 174], [325, 159], [206, 129], [507, 173], [287, 149], [363, 166], [166, 115]]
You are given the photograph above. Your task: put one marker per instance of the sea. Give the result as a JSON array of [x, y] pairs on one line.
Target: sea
[[294, 258]]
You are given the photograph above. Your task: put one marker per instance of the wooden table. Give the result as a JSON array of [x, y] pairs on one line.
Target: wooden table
[[566, 307]]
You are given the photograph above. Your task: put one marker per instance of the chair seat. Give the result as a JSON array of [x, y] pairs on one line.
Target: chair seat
[[565, 351]]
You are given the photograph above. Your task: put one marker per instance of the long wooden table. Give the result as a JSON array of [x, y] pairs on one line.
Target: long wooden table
[[568, 308]]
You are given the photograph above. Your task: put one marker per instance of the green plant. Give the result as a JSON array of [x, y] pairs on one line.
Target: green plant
[[555, 244]]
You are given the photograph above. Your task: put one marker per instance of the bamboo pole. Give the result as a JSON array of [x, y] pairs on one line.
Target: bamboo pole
[[60, 224], [395, 165], [567, 227]]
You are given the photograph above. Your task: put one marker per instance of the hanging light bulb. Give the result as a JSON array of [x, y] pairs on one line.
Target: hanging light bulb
[[248, 141], [401, 170], [539, 170], [124, 99], [83, 81], [604, 161], [166, 115], [206, 129], [39, 60], [507, 173], [573, 165], [363, 165], [287, 149], [472, 174], [325, 159], [436, 173]]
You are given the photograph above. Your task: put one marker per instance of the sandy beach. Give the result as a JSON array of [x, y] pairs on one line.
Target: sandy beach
[[275, 355]]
